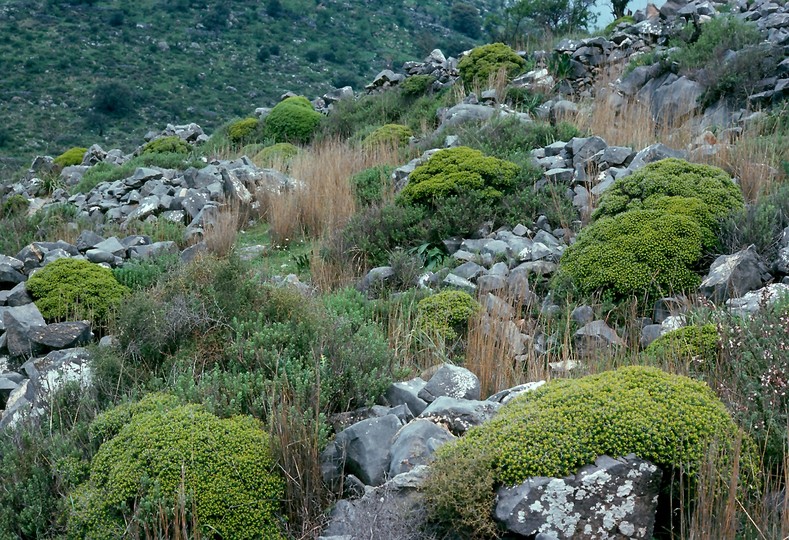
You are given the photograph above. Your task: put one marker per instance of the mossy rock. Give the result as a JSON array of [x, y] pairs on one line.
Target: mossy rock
[[608, 30], [242, 131], [487, 60], [696, 344], [292, 120], [167, 145], [394, 135], [456, 171], [670, 420], [642, 253], [75, 289], [673, 178], [279, 153], [446, 314], [72, 156], [155, 451]]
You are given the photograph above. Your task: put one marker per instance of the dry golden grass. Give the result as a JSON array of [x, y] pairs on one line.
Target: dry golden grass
[[221, 237]]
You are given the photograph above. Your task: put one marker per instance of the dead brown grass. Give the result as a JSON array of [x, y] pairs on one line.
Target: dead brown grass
[[221, 237]]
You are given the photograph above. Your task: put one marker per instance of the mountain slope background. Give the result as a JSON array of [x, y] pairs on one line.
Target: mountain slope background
[[79, 72]]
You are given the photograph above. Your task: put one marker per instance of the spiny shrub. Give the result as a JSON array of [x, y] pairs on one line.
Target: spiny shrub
[[277, 154], [457, 170], [641, 252], [72, 156], [696, 344], [242, 131], [371, 184], [292, 120], [158, 455], [669, 420], [167, 145], [487, 60], [74, 288], [446, 314], [416, 85], [672, 177], [390, 135]]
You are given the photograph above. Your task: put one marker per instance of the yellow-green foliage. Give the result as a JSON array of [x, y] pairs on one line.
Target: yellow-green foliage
[[698, 344], [692, 207], [167, 145], [487, 60], [446, 314], [292, 120], [72, 156], [641, 252], [390, 135], [241, 131], [154, 449], [459, 170], [280, 153], [673, 178], [416, 85], [76, 289], [15, 205], [669, 420]]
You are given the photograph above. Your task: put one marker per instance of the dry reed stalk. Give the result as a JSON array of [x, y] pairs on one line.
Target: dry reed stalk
[[221, 237], [329, 275]]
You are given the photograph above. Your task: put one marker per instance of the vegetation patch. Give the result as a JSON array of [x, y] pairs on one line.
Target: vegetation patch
[[292, 120], [167, 145], [446, 314], [395, 135], [72, 156], [486, 61], [243, 131], [693, 344]]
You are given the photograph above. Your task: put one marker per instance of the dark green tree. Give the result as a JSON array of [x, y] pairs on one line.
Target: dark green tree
[[465, 19], [618, 8]]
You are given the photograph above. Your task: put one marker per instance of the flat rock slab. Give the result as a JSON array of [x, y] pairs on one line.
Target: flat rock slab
[[64, 335]]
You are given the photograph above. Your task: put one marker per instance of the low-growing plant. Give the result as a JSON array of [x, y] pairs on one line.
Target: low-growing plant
[[372, 185], [446, 314], [75, 288], [167, 145], [389, 134], [13, 206], [292, 120], [277, 154], [417, 85], [242, 131], [144, 273], [72, 156], [694, 346], [487, 60], [717, 36]]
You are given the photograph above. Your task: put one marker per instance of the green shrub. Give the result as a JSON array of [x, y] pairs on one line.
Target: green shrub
[[417, 85], [717, 36], [487, 60], [645, 253], [69, 288], [389, 135], [15, 205], [167, 145], [277, 154], [608, 30], [72, 156], [696, 344], [672, 177], [242, 131], [760, 223], [446, 314], [156, 455], [144, 273], [691, 207], [669, 420], [371, 184], [457, 170], [292, 120]]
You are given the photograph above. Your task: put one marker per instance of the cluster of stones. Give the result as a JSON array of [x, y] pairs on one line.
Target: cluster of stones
[[442, 69]]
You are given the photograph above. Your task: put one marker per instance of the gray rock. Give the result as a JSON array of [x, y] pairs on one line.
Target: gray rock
[[560, 175], [457, 282], [508, 394], [668, 306], [414, 444], [112, 245], [157, 249], [13, 262], [495, 248], [17, 323], [653, 153], [491, 283], [363, 450], [595, 337], [99, 256], [407, 393], [469, 271], [192, 252], [376, 278], [781, 263], [9, 276], [56, 336], [584, 148], [18, 296], [460, 414], [464, 113], [734, 275], [87, 239], [753, 302], [614, 498], [452, 381], [582, 314], [650, 333]]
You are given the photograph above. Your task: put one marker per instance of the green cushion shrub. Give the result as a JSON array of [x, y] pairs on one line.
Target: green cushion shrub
[[487, 60], [645, 253], [292, 120], [609, 29], [669, 420], [698, 344], [77, 289], [371, 184], [167, 145], [15, 205], [674, 178], [446, 314], [72, 156], [390, 135], [416, 85], [242, 131], [155, 451], [458, 170], [277, 154]]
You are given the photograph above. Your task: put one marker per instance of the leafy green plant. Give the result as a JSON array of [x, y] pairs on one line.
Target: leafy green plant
[[390, 135], [167, 145], [432, 255], [72, 156], [696, 345], [417, 85], [446, 314], [609, 29], [242, 131], [277, 154], [560, 65], [669, 420], [292, 120], [142, 274], [487, 60], [717, 36], [15, 205], [371, 184], [76, 288], [106, 172], [158, 455]]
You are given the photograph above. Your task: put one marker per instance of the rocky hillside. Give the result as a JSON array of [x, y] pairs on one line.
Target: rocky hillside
[[522, 294]]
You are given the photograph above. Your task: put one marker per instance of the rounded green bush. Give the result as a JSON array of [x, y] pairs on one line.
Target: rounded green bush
[[645, 253], [692, 207], [292, 120], [455, 171], [15, 205], [673, 178], [446, 314], [487, 60], [669, 420], [277, 153], [416, 85], [72, 156], [167, 145], [241, 131], [698, 344], [72, 288], [390, 135], [155, 452]]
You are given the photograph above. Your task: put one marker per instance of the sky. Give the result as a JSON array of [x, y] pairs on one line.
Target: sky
[[602, 7]]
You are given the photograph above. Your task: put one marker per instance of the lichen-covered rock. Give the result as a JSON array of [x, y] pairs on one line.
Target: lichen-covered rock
[[734, 275], [452, 381], [414, 444]]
